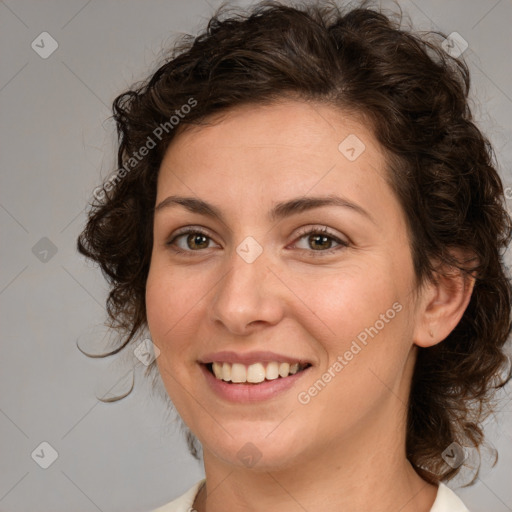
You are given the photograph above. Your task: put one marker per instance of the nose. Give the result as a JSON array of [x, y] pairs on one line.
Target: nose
[[248, 296]]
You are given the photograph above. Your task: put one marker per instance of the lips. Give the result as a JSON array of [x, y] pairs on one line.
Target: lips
[[251, 393]]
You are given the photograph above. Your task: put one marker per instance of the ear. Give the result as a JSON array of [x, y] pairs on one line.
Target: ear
[[442, 305]]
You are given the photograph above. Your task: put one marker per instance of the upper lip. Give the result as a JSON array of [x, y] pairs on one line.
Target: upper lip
[[249, 358]]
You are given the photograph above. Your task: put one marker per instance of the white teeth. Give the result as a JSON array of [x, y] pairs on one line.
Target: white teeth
[[217, 370], [284, 369], [226, 372], [238, 373], [272, 371], [254, 373]]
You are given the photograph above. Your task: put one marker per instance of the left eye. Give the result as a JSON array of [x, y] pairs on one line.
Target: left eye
[[322, 240]]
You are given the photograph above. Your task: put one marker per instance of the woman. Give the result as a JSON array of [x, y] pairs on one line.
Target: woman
[[311, 227]]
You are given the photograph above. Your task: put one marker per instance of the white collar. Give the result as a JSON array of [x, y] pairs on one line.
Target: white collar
[[446, 501]]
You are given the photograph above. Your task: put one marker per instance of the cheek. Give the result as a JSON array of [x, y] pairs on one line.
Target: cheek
[[347, 301], [361, 323], [163, 311], [175, 302], [155, 304], [168, 298], [164, 308]]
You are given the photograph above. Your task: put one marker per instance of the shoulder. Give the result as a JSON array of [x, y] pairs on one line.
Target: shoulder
[[183, 503], [447, 501]]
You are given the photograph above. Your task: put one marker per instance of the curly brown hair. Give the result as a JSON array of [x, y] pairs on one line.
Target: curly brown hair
[[414, 96]]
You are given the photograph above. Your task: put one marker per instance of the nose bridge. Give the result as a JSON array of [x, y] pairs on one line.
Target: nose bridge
[[244, 295], [248, 268]]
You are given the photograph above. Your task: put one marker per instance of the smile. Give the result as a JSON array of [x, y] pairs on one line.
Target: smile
[[254, 373]]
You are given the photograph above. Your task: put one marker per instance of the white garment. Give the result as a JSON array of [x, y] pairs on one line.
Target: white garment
[[446, 501]]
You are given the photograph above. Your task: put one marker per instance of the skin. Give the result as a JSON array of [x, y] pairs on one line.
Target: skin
[[345, 449]]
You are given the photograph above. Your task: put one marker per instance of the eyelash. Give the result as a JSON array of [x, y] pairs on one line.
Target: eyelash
[[302, 234]]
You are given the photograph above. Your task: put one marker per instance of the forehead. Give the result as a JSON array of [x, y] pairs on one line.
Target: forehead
[[255, 156], [287, 137]]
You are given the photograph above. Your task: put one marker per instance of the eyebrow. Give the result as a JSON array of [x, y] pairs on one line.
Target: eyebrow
[[278, 212]]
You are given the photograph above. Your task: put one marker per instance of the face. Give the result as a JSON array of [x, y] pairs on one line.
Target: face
[[258, 273]]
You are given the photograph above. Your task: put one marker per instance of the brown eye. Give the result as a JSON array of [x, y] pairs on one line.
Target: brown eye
[[197, 241], [190, 240], [319, 242]]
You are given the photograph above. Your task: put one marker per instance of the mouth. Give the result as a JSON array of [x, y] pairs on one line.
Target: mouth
[[253, 374]]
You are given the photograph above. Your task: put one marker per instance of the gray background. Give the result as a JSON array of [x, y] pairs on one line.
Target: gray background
[[56, 143]]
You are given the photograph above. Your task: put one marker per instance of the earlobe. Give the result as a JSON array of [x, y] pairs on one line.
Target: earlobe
[[444, 303]]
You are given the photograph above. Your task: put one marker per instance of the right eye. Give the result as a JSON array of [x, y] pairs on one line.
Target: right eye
[[192, 240]]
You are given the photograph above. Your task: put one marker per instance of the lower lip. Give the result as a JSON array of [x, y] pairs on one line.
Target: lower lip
[[243, 392]]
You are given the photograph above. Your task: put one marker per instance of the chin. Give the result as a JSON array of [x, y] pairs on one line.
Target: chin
[[256, 449]]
